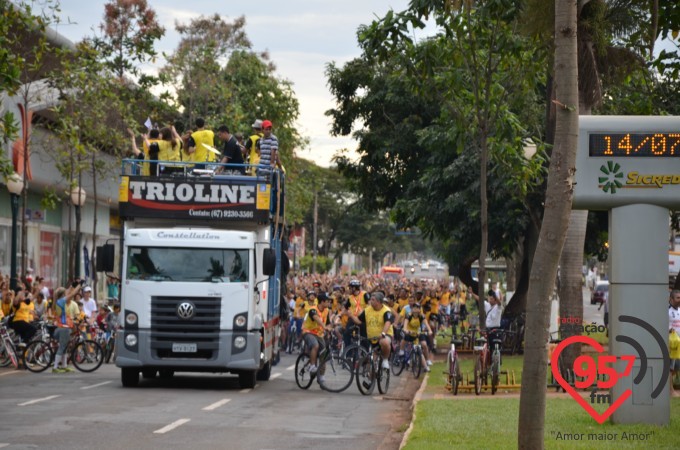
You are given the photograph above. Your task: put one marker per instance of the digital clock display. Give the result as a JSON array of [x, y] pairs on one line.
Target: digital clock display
[[635, 144]]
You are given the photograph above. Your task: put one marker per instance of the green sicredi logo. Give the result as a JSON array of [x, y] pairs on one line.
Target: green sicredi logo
[[610, 183]]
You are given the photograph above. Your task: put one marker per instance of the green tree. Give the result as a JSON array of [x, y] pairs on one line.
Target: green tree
[[129, 32]]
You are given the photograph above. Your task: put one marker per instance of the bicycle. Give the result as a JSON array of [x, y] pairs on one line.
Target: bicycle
[[337, 372], [454, 375], [85, 354], [487, 361], [293, 339], [369, 372], [8, 353], [567, 373]]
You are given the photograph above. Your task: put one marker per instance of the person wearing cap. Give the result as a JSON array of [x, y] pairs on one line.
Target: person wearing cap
[[89, 304], [378, 320], [314, 326], [416, 325], [268, 146], [251, 145]]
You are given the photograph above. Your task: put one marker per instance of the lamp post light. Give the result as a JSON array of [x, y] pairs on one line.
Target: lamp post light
[[78, 196], [15, 185]]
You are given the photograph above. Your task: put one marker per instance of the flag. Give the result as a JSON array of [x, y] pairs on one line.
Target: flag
[[148, 123]]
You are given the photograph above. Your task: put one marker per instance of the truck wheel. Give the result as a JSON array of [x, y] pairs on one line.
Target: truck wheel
[[264, 373], [246, 380], [129, 376]]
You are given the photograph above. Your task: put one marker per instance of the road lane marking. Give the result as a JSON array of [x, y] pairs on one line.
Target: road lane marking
[[37, 400], [9, 373], [172, 426], [291, 367], [217, 404], [95, 385], [275, 375]]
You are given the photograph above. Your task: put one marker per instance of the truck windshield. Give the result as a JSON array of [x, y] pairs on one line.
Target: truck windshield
[[187, 264]]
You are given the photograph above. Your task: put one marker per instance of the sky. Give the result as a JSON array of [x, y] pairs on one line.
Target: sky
[[301, 36]]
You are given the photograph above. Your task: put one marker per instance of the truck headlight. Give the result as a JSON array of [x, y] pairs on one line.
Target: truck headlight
[[240, 321], [239, 342], [131, 340], [131, 319]]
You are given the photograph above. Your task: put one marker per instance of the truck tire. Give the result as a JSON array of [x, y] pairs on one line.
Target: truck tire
[[264, 373], [129, 376], [246, 380]]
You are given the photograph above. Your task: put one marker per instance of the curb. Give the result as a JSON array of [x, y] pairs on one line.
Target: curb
[[416, 399]]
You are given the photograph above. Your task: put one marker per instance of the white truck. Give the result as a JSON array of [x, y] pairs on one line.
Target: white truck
[[201, 274]]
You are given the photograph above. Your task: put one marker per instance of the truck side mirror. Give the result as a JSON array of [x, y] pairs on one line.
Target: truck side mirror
[[268, 261], [105, 258]]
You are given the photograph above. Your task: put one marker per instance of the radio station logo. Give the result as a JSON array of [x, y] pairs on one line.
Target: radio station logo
[[601, 375]]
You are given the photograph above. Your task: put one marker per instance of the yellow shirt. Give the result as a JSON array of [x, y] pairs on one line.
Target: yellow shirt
[[311, 326], [201, 154], [445, 299], [357, 303], [24, 312], [414, 323], [145, 149], [299, 308], [6, 308], [375, 322], [166, 152]]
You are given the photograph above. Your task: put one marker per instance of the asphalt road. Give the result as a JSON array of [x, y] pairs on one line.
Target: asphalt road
[[92, 411]]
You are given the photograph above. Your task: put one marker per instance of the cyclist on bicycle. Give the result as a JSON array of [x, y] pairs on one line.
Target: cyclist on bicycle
[[378, 320], [493, 317], [354, 305], [315, 323], [64, 325], [415, 325]]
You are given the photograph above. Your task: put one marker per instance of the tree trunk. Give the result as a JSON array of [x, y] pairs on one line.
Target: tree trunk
[[93, 254], [570, 288], [553, 230], [484, 206]]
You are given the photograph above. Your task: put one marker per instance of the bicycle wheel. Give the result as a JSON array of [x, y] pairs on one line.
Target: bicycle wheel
[[364, 375], [478, 375], [290, 340], [303, 377], [38, 356], [109, 349], [338, 374], [397, 364], [354, 353], [495, 370], [87, 356], [383, 378], [454, 373], [5, 358], [416, 363]]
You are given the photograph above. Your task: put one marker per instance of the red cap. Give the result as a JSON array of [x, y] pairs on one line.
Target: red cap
[[266, 123]]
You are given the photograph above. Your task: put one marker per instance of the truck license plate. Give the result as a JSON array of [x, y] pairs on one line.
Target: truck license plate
[[184, 348]]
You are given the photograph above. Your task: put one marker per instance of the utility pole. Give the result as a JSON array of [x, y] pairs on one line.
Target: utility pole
[[314, 244]]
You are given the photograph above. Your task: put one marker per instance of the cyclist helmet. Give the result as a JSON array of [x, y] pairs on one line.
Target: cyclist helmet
[[311, 293], [336, 287], [355, 284], [322, 297]]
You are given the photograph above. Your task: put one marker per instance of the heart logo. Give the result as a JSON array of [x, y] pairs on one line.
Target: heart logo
[[599, 418]]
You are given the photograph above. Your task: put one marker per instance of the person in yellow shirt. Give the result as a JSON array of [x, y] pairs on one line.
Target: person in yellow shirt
[[416, 326], [378, 320], [199, 153], [315, 324], [251, 146], [24, 314]]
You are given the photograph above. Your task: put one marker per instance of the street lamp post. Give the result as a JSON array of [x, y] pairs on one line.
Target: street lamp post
[[15, 184], [78, 196]]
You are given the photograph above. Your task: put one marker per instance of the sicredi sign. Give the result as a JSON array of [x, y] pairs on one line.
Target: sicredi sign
[[624, 160]]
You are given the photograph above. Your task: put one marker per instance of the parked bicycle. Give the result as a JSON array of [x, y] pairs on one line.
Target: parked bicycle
[[488, 361], [454, 375], [337, 373], [8, 350], [85, 354]]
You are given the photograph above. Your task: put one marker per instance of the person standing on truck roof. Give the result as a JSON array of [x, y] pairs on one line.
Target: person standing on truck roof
[[251, 145], [268, 146], [199, 153], [231, 151]]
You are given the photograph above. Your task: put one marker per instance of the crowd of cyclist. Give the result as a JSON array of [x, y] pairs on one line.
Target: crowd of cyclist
[[63, 311], [385, 309]]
